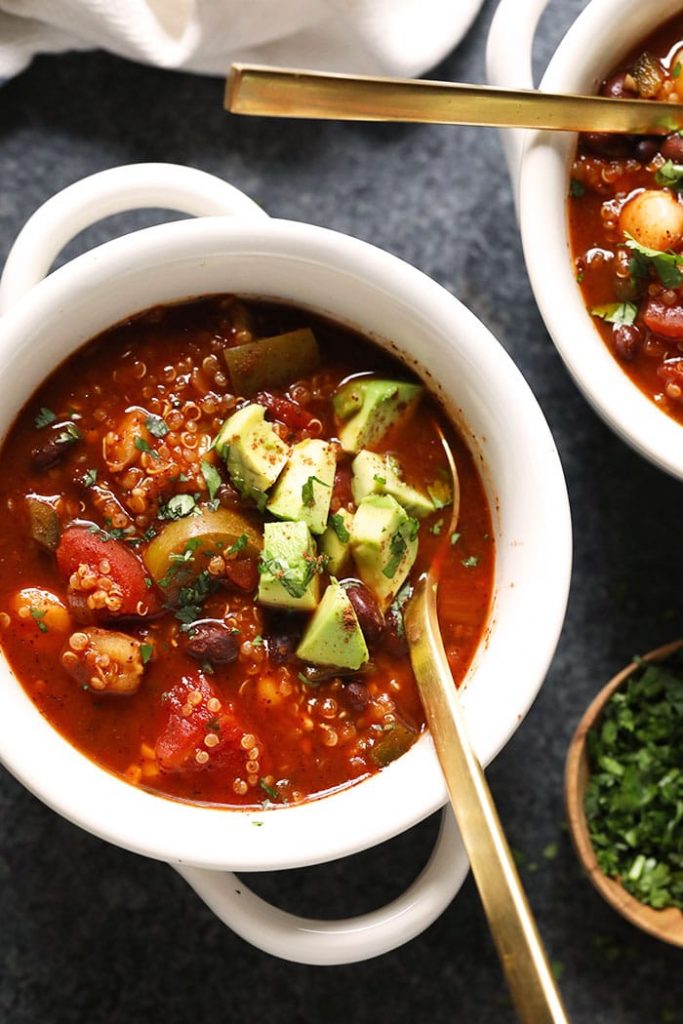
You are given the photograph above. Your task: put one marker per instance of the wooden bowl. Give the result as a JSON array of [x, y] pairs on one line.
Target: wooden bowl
[[666, 925]]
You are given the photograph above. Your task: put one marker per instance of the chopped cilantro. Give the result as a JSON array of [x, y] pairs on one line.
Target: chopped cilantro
[[258, 640], [212, 478], [90, 478], [379, 479], [239, 545], [143, 446], [634, 797], [157, 426], [269, 790], [148, 582], [294, 579], [577, 189], [307, 495], [149, 534], [69, 435], [616, 312], [670, 175], [336, 521], [44, 417], [665, 264], [455, 537], [38, 614], [398, 548], [146, 652], [177, 507], [441, 494], [436, 527], [192, 597], [116, 534], [471, 562], [550, 851], [579, 276], [676, 70]]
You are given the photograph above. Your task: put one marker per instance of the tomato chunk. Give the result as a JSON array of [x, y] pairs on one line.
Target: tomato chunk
[[203, 730], [285, 410], [242, 573], [86, 559], [663, 319]]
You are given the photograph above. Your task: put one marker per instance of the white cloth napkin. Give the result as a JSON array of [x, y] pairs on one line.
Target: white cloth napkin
[[397, 37]]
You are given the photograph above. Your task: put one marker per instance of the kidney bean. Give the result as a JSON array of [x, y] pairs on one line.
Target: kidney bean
[[672, 148], [645, 149], [211, 640], [612, 147], [627, 341], [56, 446], [368, 612], [357, 696]]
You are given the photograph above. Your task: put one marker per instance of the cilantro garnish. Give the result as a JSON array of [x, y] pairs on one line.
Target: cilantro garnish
[[670, 175], [455, 537], [157, 426], [440, 493], [471, 562], [307, 496], [577, 189], [634, 798], [379, 479], [143, 446], [269, 790], [90, 478], [294, 578], [38, 614], [239, 545], [336, 521], [436, 527], [665, 264], [398, 548], [616, 312], [146, 652], [191, 598], [177, 507], [69, 435], [44, 418], [212, 478]]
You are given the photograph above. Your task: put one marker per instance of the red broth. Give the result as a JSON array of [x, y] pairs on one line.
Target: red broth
[[610, 177], [115, 437]]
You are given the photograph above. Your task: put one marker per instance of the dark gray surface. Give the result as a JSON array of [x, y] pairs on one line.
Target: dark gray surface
[[88, 932]]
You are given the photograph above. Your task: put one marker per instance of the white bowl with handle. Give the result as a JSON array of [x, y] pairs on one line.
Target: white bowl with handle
[[540, 164], [233, 246]]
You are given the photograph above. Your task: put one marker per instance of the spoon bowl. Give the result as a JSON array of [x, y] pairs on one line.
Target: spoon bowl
[[666, 925]]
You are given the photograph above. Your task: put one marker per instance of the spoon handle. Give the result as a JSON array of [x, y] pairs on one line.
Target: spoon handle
[[293, 92], [520, 948]]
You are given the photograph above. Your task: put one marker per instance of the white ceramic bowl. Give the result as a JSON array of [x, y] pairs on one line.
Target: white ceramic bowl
[[248, 253], [540, 163]]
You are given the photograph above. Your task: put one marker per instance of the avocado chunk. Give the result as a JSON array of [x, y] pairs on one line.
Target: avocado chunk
[[289, 567], [304, 489], [368, 408], [381, 474], [333, 636], [253, 452], [384, 545], [336, 541]]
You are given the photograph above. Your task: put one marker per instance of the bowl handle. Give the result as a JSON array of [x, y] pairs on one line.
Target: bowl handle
[[509, 52], [132, 187], [309, 941]]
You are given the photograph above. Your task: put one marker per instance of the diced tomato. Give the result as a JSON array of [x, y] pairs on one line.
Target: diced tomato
[[342, 495], [81, 545], [285, 410], [181, 747], [243, 573], [663, 319]]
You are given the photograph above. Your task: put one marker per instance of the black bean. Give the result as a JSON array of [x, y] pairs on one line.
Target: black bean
[[616, 87], [612, 147], [281, 647], [645, 149], [357, 696], [672, 148], [627, 341], [211, 640], [395, 634], [368, 612]]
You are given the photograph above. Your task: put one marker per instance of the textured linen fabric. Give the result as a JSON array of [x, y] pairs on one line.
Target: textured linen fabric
[[399, 37]]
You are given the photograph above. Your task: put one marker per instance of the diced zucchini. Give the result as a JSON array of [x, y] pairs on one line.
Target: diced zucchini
[[272, 362]]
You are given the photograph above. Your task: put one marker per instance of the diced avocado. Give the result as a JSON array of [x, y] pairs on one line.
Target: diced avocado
[[383, 545], [272, 362], [336, 541], [304, 489], [370, 407], [333, 636], [254, 453], [381, 474], [289, 567]]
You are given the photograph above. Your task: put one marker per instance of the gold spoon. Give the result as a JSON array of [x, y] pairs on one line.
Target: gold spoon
[[523, 958], [295, 92], [666, 925]]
